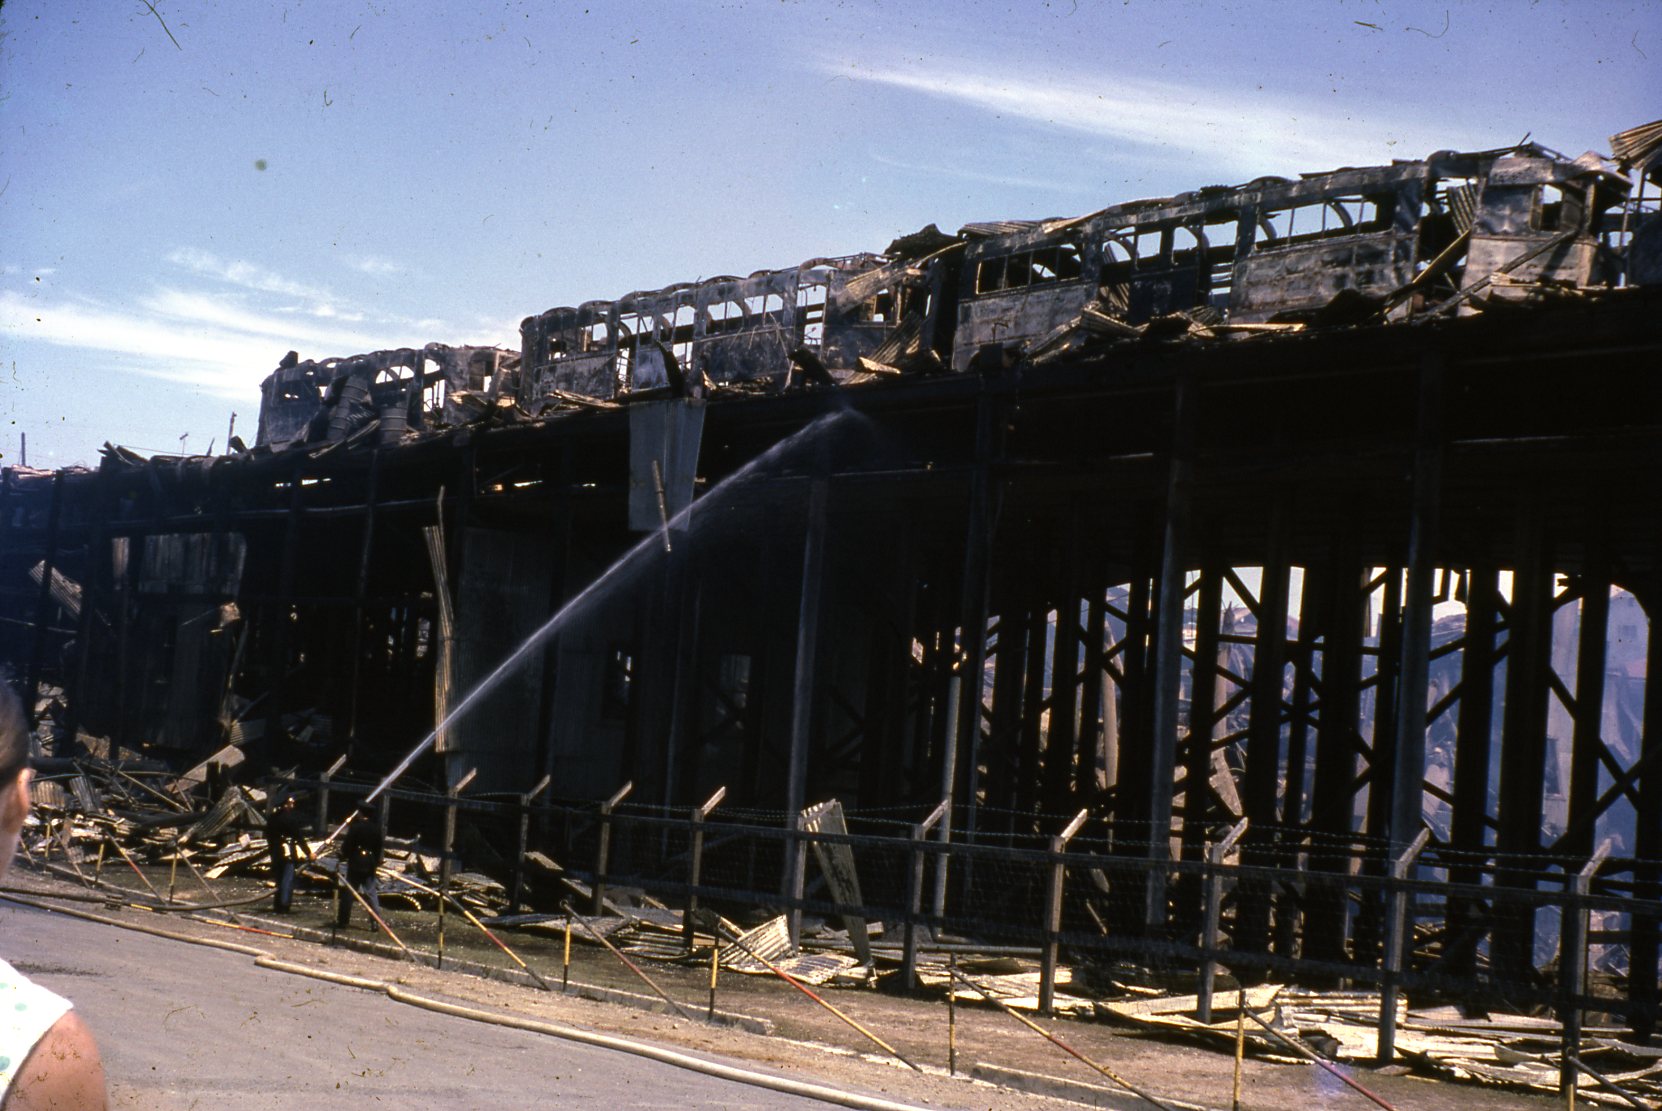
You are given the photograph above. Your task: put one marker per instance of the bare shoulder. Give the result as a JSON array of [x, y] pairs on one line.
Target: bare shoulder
[[62, 1073]]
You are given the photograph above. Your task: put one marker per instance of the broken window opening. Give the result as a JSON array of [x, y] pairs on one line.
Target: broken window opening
[[725, 317], [733, 680], [1549, 208], [619, 684], [1327, 218], [596, 337], [810, 312], [883, 306], [1188, 245], [1148, 247], [1059, 262], [432, 398], [1272, 228], [766, 309], [989, 276]]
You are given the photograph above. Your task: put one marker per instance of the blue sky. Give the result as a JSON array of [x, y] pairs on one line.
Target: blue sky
[[347, 176]]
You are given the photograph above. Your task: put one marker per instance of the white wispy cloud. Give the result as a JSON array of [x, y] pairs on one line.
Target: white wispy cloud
[[247, 275], [970, 173], [374, 265], [1215, 128], [186, 337]]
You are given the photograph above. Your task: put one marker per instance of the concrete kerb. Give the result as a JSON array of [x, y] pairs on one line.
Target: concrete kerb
[[1074, 1091], [748, 1023]]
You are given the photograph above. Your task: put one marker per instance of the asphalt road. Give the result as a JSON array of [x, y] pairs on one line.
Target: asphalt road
[[182, 1026]]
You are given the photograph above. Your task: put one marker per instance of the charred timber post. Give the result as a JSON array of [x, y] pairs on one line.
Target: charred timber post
[[1168, 647], [559, 558], [603, 851], [680, 604], [964, 739], [1588, 711], [467, 481], [322, 825], [914, 905], [1399, 944], [1059, 754], [803, 686], [525, 800], [949, 755], [120, 569], [1313, 601], [1468, 823], [1215, 856], [279, 613], [1053, 911], [1203, 714], [1382, 768], [447, 861], [695, 866], [43, 603], [1027, 795], [1572, 967], [1523, 740], [77, 686], [1647, 848], [1409, 781], [1092, 719], [1132, 743], [361, 590], [1263, 749]]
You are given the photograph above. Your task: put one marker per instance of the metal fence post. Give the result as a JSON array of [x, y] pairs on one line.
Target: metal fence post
[[524, 840], [1215, 855], [909, 958], [695, 868], [1399, 939], [323, 794], [1053, 911], [449, 849], [1572, 967], [603, 853]]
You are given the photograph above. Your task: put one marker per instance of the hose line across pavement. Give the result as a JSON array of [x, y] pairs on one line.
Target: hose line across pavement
[[262, 959]]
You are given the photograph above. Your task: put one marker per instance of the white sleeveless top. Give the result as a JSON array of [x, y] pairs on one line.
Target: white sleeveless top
[[27, 1011]]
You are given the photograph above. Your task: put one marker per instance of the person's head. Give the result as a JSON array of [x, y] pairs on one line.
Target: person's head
[[14, 774]]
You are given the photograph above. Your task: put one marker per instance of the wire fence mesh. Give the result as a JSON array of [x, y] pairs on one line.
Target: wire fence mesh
[[1286, 904]]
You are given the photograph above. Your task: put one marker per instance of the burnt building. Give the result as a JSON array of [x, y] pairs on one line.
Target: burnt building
[[1329, 503]]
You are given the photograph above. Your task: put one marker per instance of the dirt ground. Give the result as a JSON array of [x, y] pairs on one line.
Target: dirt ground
[[806, 1039]]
